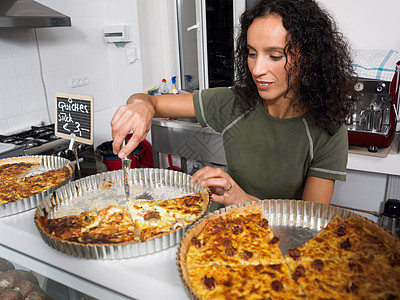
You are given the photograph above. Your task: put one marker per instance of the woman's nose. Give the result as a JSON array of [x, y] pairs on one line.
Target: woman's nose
[[260, 67]]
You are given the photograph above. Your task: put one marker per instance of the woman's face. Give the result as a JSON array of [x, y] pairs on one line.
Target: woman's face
[[266, 40]]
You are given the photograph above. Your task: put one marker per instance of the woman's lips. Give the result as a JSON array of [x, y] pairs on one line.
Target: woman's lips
[[263, 85]]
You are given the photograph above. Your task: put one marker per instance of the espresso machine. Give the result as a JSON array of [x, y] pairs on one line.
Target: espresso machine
[[372, 121]]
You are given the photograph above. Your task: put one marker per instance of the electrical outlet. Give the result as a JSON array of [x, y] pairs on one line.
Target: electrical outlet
[[78, 81]]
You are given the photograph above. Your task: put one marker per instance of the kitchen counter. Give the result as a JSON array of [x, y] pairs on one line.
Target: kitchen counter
[[389, 164], [152, 276]]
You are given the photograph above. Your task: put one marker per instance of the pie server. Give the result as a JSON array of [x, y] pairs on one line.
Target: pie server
[[374, 213], [126, 165]]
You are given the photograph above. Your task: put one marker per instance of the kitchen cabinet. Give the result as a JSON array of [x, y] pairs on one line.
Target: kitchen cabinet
[[370, 181], [152, 276]]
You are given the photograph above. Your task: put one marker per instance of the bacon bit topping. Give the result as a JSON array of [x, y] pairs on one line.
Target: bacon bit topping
[[209, 282], [230, 251], [345, 245], [152, 215], [258, 268], [87, 219], [277, 286], [355, 267], [197, 243], [253, 291], [352, 288], [276, 267], [318, 265], [294, 253], [299, 272], [274, 240], [227, 243], [341, 231], [246, 255], [228, 283], [264, 223], [237, 230], [270, 274]]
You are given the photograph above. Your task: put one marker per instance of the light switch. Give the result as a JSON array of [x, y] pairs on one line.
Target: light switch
[[131, 54]]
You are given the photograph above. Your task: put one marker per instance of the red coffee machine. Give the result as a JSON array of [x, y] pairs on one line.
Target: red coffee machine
[[372, 121]]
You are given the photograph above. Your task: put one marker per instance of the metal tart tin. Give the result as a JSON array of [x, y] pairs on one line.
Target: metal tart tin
[[294, 221], [108, 189], [49, 163]]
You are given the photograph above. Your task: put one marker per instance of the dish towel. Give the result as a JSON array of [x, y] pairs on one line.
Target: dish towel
[[375, 63]]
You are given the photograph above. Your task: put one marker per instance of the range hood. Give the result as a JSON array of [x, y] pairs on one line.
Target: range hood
[[28, 14]]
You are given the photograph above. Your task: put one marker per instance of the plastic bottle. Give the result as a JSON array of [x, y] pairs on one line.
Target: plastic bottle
[[163, 89], [174, 89], [188, 83]]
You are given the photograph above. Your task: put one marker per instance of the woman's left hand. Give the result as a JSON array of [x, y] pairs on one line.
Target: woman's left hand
[[223, 188]]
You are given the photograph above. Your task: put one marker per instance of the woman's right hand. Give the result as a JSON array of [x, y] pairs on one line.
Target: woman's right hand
[[136, 116], [138, 113]]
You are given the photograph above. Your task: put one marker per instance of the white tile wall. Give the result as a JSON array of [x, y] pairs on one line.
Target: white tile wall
[[68, 52]]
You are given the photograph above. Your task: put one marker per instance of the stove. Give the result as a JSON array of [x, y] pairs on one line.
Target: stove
[[41, 140], [37, 140]]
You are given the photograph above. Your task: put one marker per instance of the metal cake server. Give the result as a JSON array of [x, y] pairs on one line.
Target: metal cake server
[[374, 213], [126, 165]]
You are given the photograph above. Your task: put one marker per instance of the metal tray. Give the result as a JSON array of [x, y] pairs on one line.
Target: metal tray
[[100, 190], [49, 163], [294, 221], [297, 221]]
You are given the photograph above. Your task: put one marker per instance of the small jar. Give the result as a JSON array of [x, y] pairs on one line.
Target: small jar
[[390, 219]]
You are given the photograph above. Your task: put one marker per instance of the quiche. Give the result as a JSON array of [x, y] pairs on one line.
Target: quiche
[[235, 255], [134, 222], [18, 179]]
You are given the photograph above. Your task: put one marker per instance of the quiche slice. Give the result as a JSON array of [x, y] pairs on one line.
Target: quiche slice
[[17, 167]]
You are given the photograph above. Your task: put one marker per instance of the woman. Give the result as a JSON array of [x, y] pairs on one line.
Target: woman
[[281, 122]]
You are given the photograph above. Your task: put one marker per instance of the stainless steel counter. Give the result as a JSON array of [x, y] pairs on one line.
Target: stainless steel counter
[[187, 139]]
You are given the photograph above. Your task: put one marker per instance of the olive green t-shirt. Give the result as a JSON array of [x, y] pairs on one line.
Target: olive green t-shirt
[[268, 157]]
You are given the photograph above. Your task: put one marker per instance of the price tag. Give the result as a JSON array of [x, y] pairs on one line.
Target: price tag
[[74, 115]]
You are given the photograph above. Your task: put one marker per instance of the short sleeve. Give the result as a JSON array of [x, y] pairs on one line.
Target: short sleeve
[[330, 156], [215, 107]]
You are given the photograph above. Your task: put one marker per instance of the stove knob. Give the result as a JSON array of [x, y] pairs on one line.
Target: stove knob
[[68, 152], [380, 87]]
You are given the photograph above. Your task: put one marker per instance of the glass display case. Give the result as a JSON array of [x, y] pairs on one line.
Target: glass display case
[[61, 275]]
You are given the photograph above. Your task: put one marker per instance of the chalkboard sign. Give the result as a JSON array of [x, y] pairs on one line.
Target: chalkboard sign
[[74, 114]]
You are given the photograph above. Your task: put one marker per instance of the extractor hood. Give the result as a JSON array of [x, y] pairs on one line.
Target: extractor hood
[[28, 14]]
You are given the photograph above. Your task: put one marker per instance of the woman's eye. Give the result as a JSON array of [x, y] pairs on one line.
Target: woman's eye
[[274, 57], [251, 54]]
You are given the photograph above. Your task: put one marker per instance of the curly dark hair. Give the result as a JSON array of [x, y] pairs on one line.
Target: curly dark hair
[[321, 73]]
